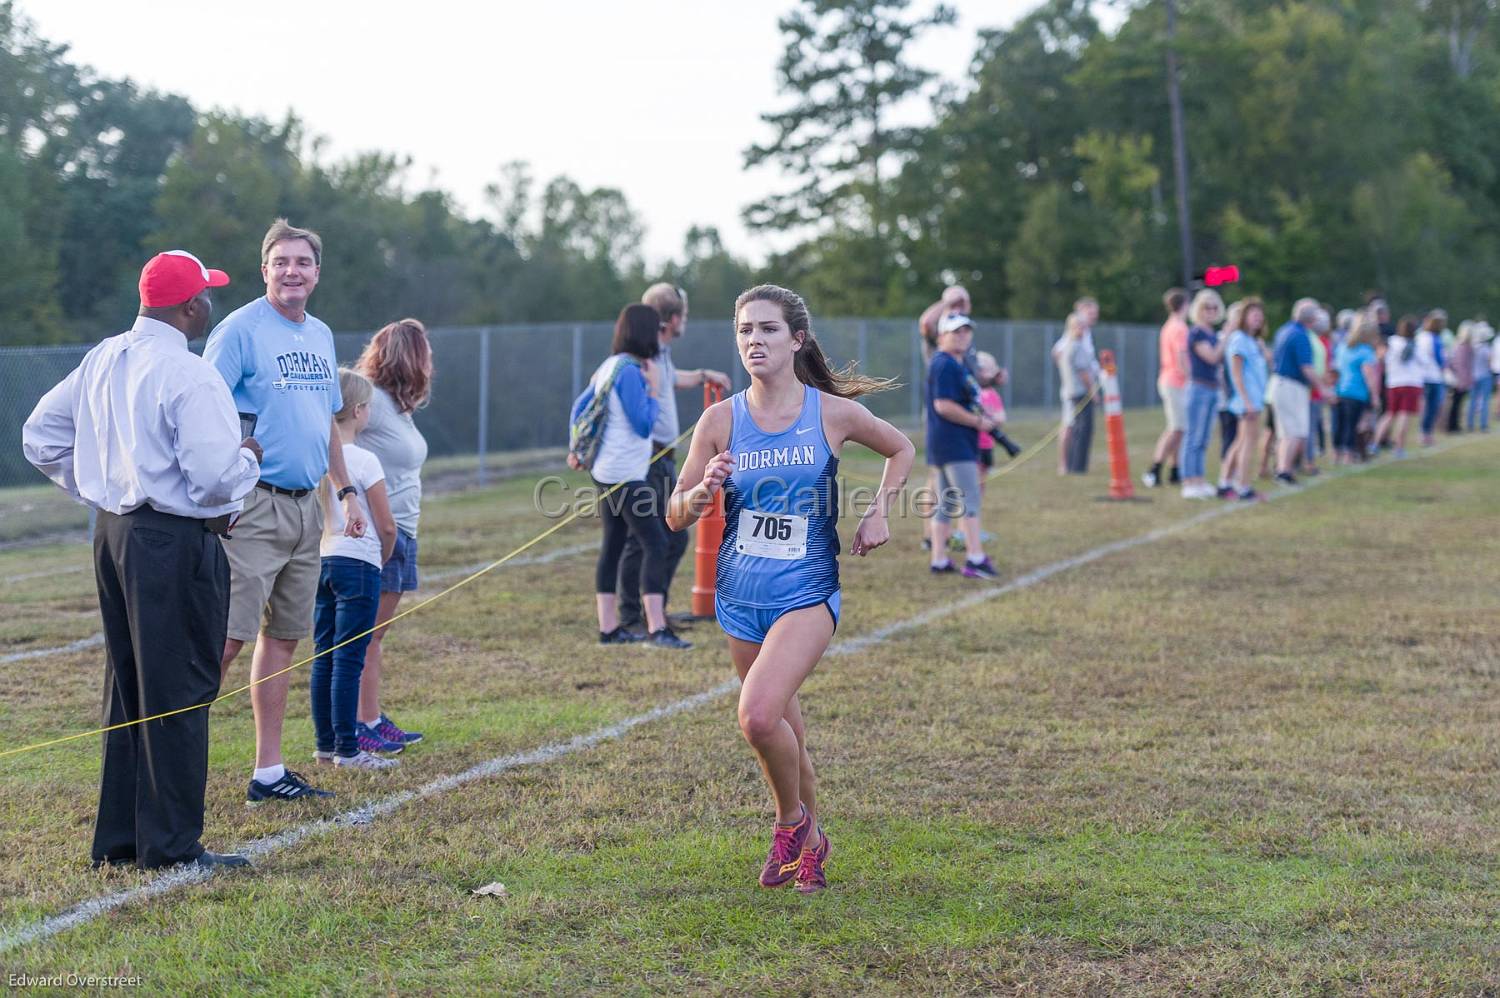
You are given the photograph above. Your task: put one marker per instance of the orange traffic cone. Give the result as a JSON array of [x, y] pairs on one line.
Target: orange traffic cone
[[710, 536], [1114, 423]]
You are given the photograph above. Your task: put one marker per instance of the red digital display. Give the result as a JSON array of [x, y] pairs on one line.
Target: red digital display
[[1215, 276]]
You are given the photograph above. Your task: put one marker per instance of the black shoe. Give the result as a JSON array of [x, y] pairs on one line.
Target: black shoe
[[665, 638], [110, 861], [228, 860], [1175, 478], [683, 620], [944, 569], [291, 786], [620, 636], [1286, 478]]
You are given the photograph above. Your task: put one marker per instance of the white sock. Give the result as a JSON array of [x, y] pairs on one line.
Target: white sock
[[269, 774], [976, 561], [942, 564]]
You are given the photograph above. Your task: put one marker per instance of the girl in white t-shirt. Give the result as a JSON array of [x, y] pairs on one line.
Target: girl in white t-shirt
[[349, 594]]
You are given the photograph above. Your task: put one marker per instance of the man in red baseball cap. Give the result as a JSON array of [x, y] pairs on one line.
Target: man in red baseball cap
[[175, 276], [146, 433]]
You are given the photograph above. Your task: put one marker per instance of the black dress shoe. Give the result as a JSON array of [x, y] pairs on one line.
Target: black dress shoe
[[109, 861], [209, 860]]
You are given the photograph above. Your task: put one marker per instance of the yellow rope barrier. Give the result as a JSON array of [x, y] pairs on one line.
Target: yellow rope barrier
[[570, 518]]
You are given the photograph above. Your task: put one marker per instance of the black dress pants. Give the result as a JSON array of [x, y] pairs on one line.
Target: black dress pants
[[1081, 440], [164, 596], [662, 477]]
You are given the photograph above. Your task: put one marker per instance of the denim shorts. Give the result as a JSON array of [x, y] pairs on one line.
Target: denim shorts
[[753, 623], [400, 572]]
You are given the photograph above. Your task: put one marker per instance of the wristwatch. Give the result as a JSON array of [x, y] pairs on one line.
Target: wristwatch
[[347, 490]]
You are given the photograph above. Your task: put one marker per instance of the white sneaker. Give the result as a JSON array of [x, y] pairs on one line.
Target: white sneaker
[[1148, 480], [364, 760], [1203, 491]]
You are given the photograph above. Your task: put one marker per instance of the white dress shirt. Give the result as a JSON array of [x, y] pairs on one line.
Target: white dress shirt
[[143, 420]]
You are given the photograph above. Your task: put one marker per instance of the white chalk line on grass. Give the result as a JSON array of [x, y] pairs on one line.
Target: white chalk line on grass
[[28, 576], [97, 640], [87, 911]]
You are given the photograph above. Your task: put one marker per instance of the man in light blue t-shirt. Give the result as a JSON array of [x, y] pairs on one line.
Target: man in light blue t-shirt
[[280, 366]]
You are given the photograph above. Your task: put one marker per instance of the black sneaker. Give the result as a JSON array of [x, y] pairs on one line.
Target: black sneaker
[[943, 569], [291, 786], [666, 638], [1175, 478], [620, 636], [1286, 478]]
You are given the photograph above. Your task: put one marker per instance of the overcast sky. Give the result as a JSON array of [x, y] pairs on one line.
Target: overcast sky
[[655, 97]]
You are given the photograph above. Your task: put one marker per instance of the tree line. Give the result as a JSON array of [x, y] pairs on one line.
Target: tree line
[[1334, 146]]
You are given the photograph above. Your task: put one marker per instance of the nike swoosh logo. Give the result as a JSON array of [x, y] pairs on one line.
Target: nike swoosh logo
[[805, 429]]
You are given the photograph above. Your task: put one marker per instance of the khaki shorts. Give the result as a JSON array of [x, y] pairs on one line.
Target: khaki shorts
[[1290, 400], [1174, 404], [274, 566]]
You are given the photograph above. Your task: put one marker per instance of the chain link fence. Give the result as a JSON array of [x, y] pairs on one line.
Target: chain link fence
[[501, 393]]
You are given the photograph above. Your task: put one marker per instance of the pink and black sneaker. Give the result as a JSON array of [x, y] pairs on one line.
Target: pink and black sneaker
[[786, 851], [810, 878]]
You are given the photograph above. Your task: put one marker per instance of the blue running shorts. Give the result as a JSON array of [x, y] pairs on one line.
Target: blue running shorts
[[753, 623]]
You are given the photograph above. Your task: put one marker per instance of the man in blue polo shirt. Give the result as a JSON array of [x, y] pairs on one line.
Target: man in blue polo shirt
[[1291, 388], [279, 363]]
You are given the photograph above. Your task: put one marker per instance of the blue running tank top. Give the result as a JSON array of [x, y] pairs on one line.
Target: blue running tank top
[[781, 542]]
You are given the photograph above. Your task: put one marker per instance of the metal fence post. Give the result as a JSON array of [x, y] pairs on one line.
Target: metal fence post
[[1120, 366], [484, 401], [1010, 361], [917, 384], [1047, 366], [577, 361]]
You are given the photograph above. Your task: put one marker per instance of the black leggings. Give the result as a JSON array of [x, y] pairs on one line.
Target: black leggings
[[1346, 416], [632, 510], [1229, 428]]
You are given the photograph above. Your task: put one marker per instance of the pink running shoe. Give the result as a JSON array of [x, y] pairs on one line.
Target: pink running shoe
[[810, 879], [786, 852]]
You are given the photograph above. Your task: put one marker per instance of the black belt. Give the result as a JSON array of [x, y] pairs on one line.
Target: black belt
[[279, 491], [214, 525]]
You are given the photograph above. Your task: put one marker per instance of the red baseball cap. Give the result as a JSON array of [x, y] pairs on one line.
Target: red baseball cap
[[173, 277]]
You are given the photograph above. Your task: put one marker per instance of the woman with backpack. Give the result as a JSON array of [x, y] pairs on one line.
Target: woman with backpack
[[613, 419]]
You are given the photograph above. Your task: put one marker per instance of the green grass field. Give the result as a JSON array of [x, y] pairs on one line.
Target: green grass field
[[1257, 754]]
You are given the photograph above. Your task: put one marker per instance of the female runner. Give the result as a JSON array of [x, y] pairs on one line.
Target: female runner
[[774, 450]]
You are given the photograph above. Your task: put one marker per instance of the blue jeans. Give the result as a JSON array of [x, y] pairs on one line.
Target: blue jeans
[[1203, 400], [1479, 402], [1432, 401], [348, 598]]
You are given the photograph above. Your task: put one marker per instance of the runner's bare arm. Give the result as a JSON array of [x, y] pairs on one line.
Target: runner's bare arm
[[850, 421], [707, 464]]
